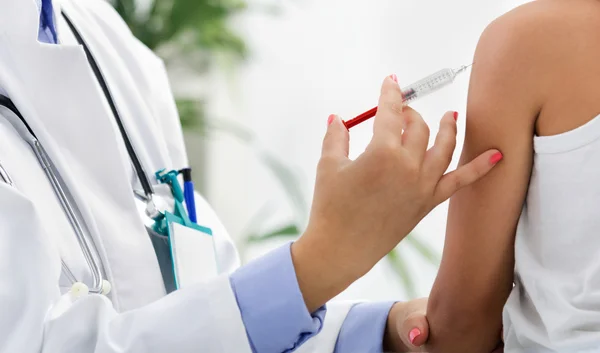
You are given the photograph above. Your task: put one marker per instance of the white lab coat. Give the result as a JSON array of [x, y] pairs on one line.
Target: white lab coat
[[54, 88]]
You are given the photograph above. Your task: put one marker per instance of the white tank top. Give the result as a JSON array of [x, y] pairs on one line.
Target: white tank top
[[555, 304]]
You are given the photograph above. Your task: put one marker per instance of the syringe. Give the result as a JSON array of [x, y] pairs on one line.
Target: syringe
[[415, 91]]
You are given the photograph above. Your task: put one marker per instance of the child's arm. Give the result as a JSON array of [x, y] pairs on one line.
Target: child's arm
[[476, 273]]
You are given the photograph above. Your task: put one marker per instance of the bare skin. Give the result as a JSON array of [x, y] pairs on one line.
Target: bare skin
[[363, 208], [535, 73]]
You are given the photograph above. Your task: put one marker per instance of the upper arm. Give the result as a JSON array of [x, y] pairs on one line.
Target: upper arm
[[476, 273]]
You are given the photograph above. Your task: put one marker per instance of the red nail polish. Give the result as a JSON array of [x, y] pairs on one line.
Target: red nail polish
[[394, 77], [413, 334], [330, 119], [496, 157], [455, 116]]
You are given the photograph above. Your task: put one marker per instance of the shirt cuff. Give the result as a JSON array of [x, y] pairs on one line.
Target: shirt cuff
[[364, 328], [271, 304]]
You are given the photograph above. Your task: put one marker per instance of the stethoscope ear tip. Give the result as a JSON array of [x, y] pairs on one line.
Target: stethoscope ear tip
[[79, 290], [106, 287]]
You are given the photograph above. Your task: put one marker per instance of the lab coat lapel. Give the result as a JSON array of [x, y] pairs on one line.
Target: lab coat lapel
[[133, 110], [56, 91]]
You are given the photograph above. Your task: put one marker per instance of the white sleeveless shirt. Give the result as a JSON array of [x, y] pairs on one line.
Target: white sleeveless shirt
[[555, 304]]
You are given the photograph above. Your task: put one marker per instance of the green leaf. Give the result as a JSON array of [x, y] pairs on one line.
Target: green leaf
[[288, 231], [191, 114], [169, 22], [401, 268], [126, 9], [423, 249], [220, 38]]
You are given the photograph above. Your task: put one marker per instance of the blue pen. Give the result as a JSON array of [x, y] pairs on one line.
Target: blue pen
[[188, 193]]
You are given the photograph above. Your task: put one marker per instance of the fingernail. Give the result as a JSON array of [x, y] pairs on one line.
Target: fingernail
[[455, 116], [330, 119], [413, 334], [496, 157], [394, 77]]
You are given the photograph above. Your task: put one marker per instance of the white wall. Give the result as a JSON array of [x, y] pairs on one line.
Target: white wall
[[330, 56]]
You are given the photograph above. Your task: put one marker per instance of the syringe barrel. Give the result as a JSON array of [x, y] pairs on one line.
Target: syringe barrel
[[428, 85]]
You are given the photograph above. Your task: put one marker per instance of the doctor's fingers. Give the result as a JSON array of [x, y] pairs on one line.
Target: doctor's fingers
[[438, 158], [414, 328], [399, 125], [336, 142], [465, 175]]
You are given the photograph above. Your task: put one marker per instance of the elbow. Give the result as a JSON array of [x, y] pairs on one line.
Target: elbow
[[461, 327], [449, 329]]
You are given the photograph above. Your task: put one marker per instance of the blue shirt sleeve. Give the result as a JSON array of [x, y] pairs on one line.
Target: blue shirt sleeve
[[364, 328], [272, 306], [276, 317]]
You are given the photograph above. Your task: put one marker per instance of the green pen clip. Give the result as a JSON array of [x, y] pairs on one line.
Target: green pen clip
[[179, 214]]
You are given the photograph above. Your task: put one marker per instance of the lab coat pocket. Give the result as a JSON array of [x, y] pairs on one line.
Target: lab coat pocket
[[165, 260], [186, 256]]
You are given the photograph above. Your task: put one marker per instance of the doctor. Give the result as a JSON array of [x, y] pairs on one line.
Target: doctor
[[88, 107]]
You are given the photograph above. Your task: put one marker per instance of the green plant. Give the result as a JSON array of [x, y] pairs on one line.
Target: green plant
[[192, 34], [191, 29]]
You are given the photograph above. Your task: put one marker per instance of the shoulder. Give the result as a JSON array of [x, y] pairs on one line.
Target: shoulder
[[523, 54], [515, 59], [520, 35], [536, 30]]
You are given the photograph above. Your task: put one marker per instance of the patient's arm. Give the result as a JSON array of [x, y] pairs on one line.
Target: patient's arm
[[476, 273]]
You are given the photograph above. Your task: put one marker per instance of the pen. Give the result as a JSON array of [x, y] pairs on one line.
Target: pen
[[188, 193]]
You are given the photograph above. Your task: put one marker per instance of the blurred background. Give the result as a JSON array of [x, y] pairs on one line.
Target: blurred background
[[255, 81]]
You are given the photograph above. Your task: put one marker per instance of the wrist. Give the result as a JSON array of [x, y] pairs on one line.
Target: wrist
[[392, 342], [321, 271]]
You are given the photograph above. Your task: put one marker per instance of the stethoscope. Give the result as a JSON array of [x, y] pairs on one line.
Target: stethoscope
[[79, 226], [99, 285], [5, 176]]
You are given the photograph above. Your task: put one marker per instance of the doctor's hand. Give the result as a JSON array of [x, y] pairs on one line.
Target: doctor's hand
[[407, 329], [363, 208]]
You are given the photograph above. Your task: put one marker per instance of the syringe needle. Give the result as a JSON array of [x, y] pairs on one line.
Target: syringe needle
[[463, 68]]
